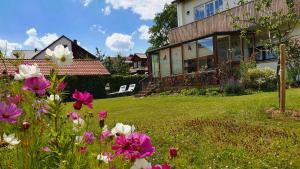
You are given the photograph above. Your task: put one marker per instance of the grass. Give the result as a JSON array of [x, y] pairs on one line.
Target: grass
[[213, 132]]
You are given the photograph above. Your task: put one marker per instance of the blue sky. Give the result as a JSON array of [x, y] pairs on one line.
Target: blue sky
[[112, 25]]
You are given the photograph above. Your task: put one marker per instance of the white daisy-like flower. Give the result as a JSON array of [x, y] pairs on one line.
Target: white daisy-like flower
[[11, 140], [103, 158], [77, 124], [26, 71], [78, 139], [141, 164], [52, 98], [120, 128], [60, 55]]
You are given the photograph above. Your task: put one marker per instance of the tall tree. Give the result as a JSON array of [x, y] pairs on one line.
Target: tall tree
[[163, 23], [100, 55], [116, 65]]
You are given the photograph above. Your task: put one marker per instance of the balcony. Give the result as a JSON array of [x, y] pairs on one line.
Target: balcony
[[221, 22]]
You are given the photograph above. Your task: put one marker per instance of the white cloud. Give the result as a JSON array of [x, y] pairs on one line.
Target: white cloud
[[145, 8], [86, 2], [39, 42], [8, 46], [144, 32], [119, 42], [98, 28], [106, 10]]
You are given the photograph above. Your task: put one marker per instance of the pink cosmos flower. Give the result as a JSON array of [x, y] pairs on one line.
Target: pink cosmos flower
[[38, 85], [46, 149], [173, 152], [136, 145], [104, 135], [165, 166], [14, 99], [88, 137], [82, 150], [61, 87], [102, 115], [9, 112], [82, 98], [73, 116]]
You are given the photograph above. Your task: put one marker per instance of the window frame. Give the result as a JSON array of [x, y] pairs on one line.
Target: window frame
[[203, 6]]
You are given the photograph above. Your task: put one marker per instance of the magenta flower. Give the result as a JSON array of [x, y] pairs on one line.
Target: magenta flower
[[82, 98], [38, 85], [46, 149], [88, 137], [61, 87], [136, 146], [104, 135], [173, 152], [82, 150], [102, 115], [165, 166], [9, 112], [73, 116], [14, 99]]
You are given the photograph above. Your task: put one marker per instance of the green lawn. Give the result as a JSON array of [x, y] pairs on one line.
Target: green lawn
[[216, 132]]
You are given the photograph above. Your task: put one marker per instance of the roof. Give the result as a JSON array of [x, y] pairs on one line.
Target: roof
[[73, 44], [80, 67], [26, 54], [141, 55]]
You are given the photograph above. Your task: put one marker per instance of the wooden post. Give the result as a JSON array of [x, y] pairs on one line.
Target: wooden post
[[282, 78]]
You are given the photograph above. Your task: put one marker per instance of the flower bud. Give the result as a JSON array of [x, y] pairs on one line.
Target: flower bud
[[173, 152], [25, 125], [77, 105]]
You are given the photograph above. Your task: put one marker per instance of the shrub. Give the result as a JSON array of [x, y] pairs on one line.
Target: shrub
[[233, 89], [193, 92], [261, 79]]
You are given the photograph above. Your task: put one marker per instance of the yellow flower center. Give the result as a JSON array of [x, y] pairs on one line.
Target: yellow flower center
[[63, 59]]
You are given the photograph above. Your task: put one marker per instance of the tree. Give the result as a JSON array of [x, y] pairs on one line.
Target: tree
[[100, 55], [163, 23], [116, 65]]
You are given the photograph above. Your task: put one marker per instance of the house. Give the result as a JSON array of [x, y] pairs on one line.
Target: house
[[204, 39], [138, 63], [84, 63]]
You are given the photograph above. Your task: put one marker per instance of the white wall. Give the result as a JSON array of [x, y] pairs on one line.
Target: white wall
[[189, 5]]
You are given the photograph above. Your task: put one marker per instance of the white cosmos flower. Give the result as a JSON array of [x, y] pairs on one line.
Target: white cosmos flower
[[103, 158], [27, 71], [78, 139], [122, 129], [141, 164], [52, 98], [60, 55], [11, 140], [77, 124]]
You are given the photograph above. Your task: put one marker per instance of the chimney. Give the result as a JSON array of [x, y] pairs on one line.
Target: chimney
[[35, 50], [75, 41]]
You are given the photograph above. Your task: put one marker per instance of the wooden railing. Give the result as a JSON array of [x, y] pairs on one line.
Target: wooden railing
[[221, 22]]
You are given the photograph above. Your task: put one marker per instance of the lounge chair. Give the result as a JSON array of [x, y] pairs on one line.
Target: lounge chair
[[131, 88], [121, 90]]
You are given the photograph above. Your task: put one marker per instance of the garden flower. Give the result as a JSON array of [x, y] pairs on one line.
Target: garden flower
[[14, 99], [78, 139], [173, 152], [82, 98], [46, 149], [88, 137], [102, 115], [11, 140], [25, 125], [83, 150], [61, 56], [105, 157], [141, 164], [38, 85], [104, 135], [136, 146], [165, 166], [54, 97], [26, 71], [61, 87], [9, 112], [120, 128], [73, 116], [77, 124]]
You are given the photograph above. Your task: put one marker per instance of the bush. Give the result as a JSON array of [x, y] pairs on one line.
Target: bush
[[233, 89], [96, 84], [261, 79], [193, 92]]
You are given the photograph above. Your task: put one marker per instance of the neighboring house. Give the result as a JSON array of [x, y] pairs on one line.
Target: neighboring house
[[138, 63], [204, 39], [84, 62]]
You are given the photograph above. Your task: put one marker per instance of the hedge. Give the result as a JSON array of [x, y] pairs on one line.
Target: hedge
[[96, 84]]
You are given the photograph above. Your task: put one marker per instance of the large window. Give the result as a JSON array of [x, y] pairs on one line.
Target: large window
[[190, 57], [229, 48], [165, 63], [208, 9], [176, 60], [205, 53], [155, 65]]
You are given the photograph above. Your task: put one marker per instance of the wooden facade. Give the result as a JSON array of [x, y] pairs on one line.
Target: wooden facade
[[221, 22]]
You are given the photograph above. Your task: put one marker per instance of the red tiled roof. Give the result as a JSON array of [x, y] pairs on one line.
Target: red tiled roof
[[80, 67]]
